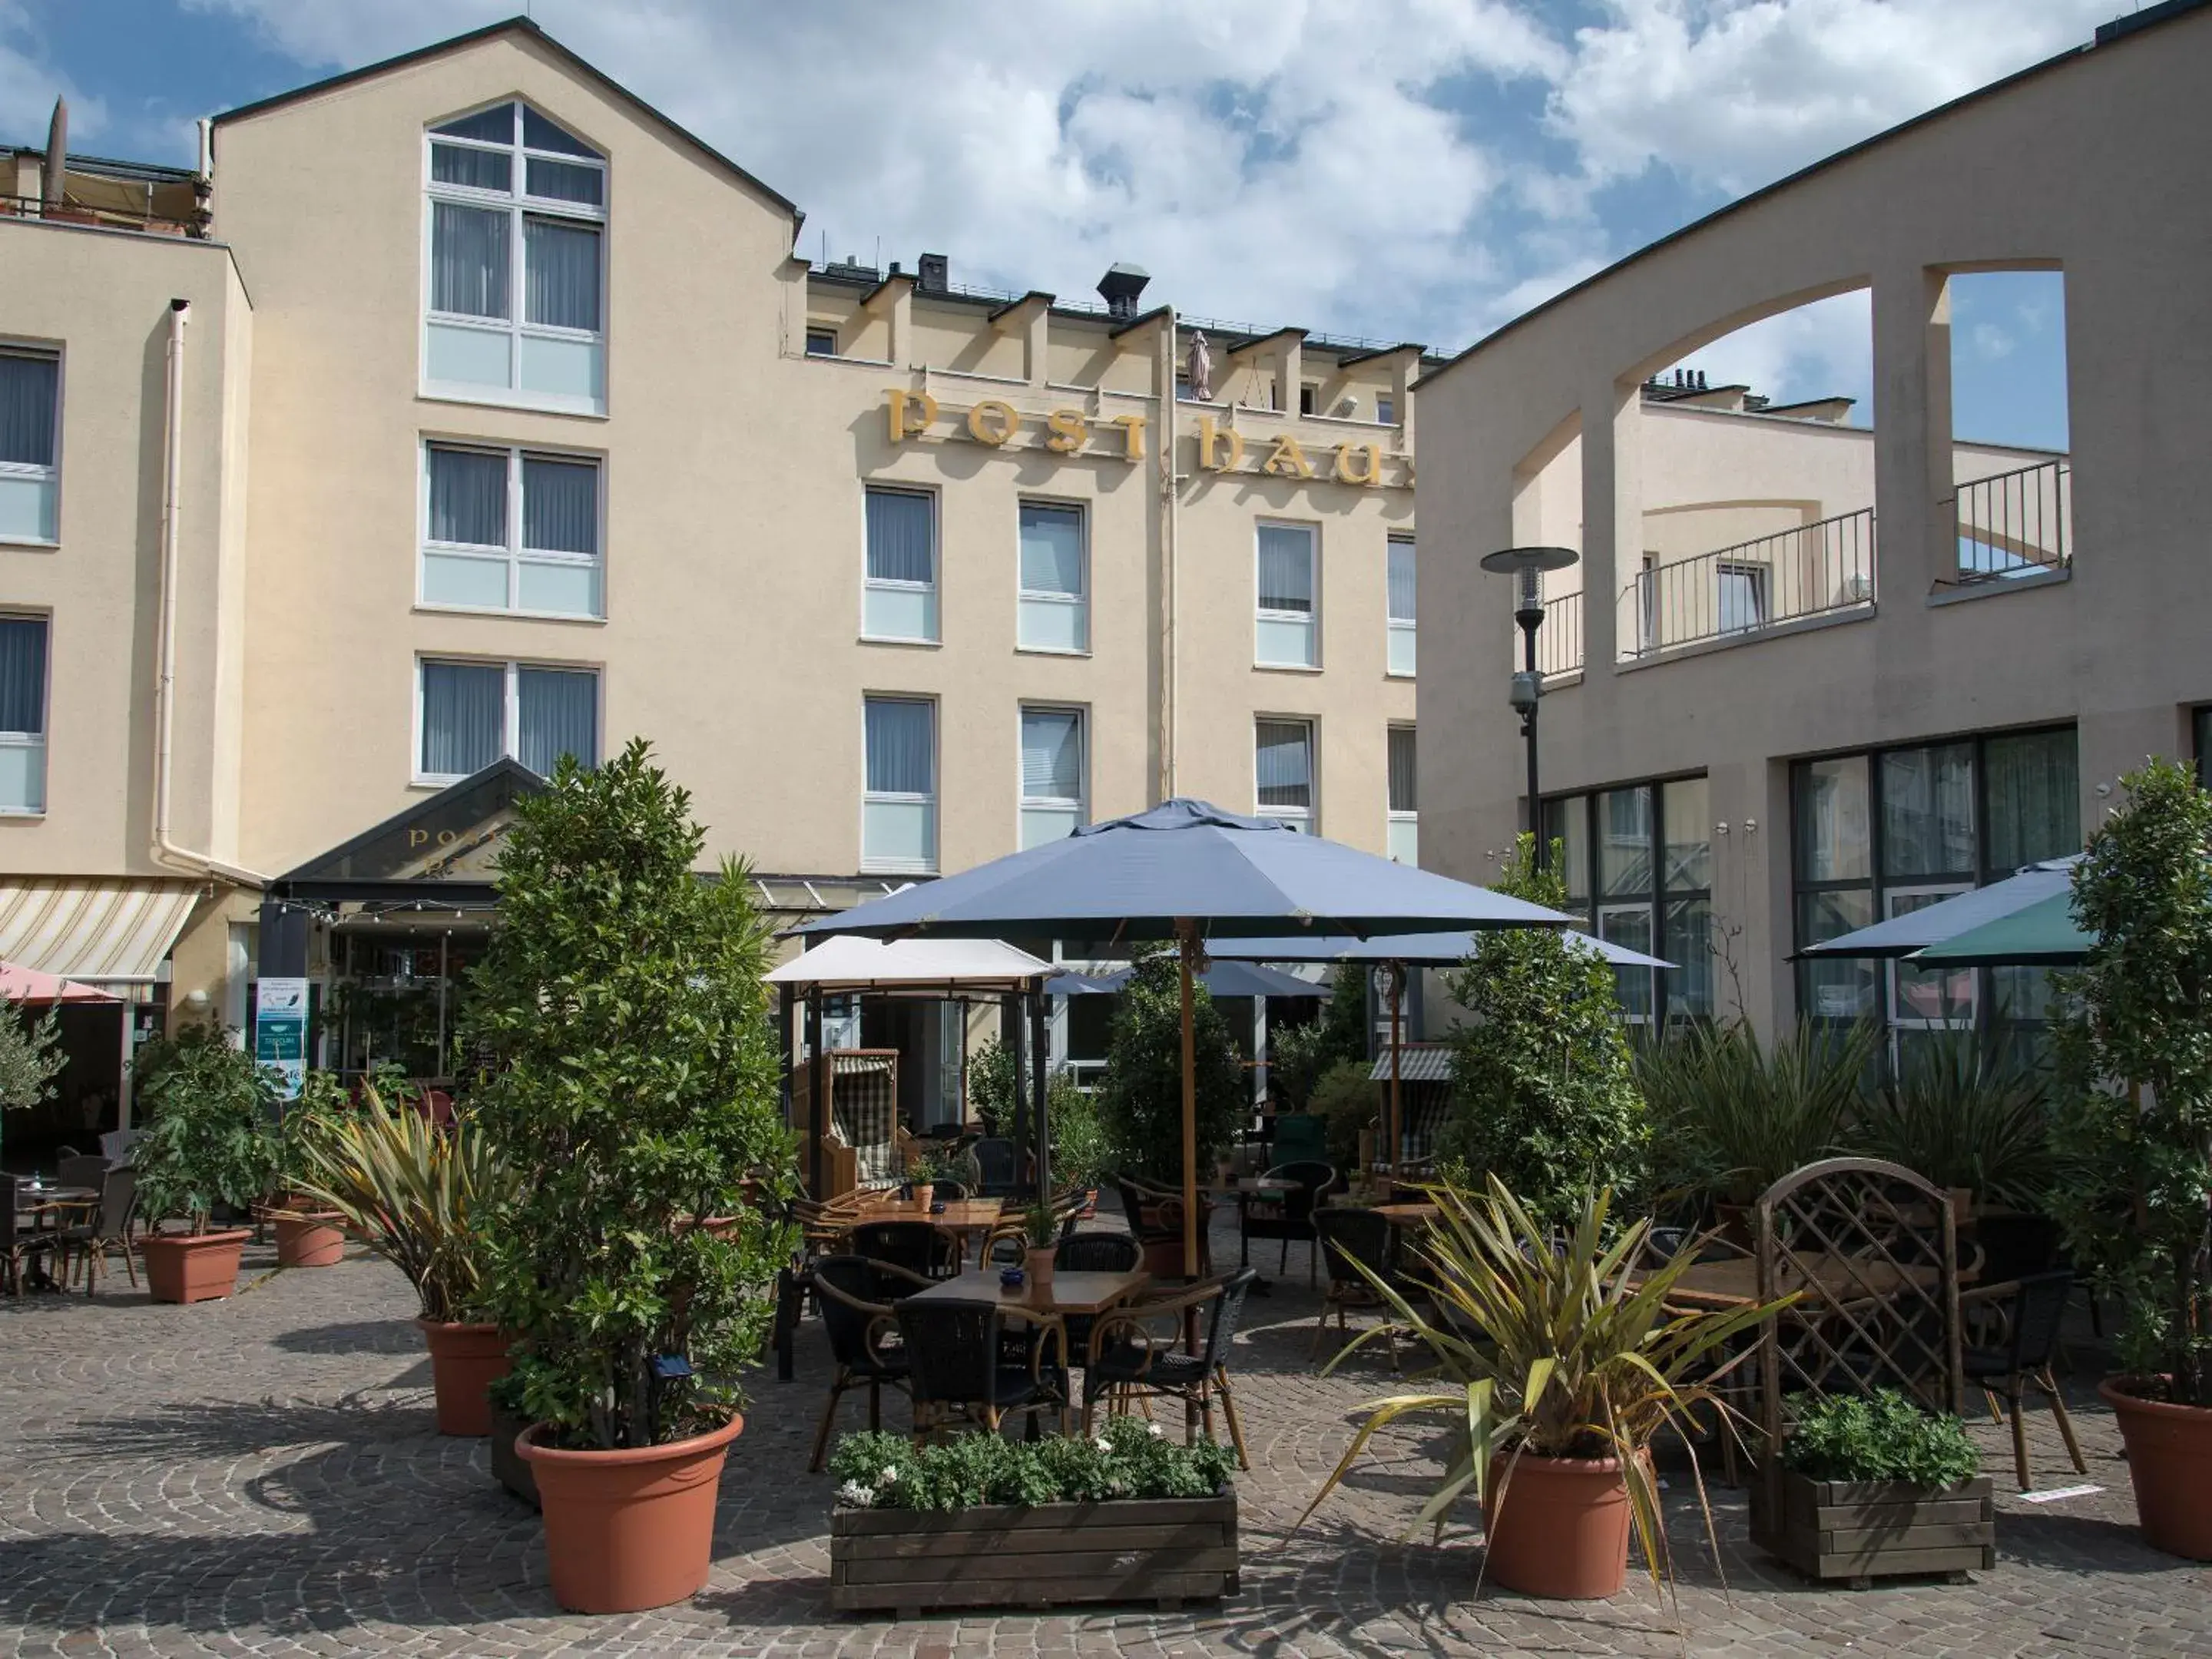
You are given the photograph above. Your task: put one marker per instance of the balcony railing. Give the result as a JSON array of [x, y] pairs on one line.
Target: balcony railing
[[2015, 523], [1559, 641], [31, 207], [1811, 571]]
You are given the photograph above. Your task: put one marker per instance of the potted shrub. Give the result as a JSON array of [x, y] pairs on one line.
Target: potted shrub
[[418, 1196], [509, 1419], [636, 1084], [1966, 1116], [1871, 1487], [1040, 1227], [1561, 1364], [2133, 1135], [926, 1166], [207, 1143], [1080, 1158], [308, 1230], [1128, 1515]]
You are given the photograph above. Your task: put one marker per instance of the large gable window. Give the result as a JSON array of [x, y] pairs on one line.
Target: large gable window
[[517, 228]]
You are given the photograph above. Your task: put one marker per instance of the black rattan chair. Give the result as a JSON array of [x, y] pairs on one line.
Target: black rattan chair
[[1156, 1217], [2033, 1307], [856, 1296], [960, 1365], [1348, 1236], [107, 1228], [1132, 1354], [924, 1249], [994, 1167], [1286, 1216], [1092, 1252]]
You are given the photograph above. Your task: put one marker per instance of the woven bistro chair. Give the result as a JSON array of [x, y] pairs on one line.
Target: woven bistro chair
[[857, 1297], [106, 1228], [1286, 1215], [1129, 1357], [962, 1363], [2033, 1308], [924, 1249], [1348, 1236], [24, 1239], [1092, 1252]]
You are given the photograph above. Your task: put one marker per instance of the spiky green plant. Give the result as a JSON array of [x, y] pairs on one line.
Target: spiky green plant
[[1962, 1115], [1550, 1345]]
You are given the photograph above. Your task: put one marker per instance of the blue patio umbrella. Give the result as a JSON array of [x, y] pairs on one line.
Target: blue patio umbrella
[[1188, 871], [1933, 924], [1223, 978]]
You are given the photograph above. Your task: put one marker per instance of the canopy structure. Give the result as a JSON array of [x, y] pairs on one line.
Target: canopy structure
[[1225, 978], [22, 984], [1901, 935], [1188, 871], [912, 967], [93, 928], [2043, 933]]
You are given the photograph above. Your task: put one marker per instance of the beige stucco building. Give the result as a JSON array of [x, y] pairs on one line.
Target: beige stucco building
[[1839, 672], [507, 422]]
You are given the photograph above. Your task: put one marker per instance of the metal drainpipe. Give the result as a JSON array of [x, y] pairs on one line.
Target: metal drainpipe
[[1171, 572]]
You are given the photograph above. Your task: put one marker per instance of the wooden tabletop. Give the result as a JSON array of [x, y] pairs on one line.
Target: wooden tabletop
[[961, 1215], [1254, 1185], [1733, 1283], [1068, 1293], [1405, 1215]]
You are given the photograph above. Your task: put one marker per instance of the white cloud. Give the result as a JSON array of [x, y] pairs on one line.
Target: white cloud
[[1819, 351], [30, 83], [1990, 342]]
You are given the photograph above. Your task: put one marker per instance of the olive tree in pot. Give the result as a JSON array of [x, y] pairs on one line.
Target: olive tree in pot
[[419, 1196], [2133, 1135], [209, 1143], [1556, 1363], [635, 1089]]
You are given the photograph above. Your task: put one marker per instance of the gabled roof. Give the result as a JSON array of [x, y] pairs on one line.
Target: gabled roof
[[410, 845], [583, 69]]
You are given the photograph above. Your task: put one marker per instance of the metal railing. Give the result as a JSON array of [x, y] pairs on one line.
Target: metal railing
[[1559, 641], [1810, 571], [32, 207], [2015, 523]]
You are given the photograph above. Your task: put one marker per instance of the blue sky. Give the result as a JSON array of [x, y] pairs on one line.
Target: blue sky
[[1405, 169]]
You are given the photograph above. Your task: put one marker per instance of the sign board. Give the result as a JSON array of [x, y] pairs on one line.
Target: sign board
[[280, 1030]]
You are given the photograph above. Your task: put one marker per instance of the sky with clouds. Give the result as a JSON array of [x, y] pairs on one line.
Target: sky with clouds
[[1403, 169]]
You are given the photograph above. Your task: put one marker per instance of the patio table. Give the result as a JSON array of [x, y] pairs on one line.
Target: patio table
[[49, 1209], [1733, 1283], [1066, 1294]]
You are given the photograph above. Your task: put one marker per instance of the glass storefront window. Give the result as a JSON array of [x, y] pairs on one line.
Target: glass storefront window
[[2034, 791], [1844, 989], [1831, 822], [1928, 812], [1685, 814], [1688, 943], [1623, 847]]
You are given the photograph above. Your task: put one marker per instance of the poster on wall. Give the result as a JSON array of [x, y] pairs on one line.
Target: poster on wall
[[280, 1030]]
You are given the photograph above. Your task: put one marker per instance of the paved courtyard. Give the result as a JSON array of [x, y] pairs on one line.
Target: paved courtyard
[[261, 1476]]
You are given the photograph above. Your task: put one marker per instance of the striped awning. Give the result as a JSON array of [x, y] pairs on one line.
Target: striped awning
[[92, 927], [1418, 1062]]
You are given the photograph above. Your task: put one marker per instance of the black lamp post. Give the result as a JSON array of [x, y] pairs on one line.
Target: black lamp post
[[1527, 566]]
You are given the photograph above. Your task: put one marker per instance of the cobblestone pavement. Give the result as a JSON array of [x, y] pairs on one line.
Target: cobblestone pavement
[[261, 1475]]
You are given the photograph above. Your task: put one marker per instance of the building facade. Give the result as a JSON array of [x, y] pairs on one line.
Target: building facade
[[464, 412], [1839, 672]]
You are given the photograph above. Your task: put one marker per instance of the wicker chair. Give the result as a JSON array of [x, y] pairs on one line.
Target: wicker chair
[[107, 1228], [959, 1354], [2033, 1307], [995, 1167], [1092, 1252], [1155, 1218], [923, 1248], [1128, 1356], [1288, 1215], [24, 1240], [1348, 1236], [856, 1296]]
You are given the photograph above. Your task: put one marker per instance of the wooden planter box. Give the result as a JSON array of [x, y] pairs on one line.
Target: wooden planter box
[[1165, 1551], [1859, 1531]]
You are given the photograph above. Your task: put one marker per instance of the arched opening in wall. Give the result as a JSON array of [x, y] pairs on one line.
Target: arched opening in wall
[[1547, 512], [1757, 464], [2012, 503]]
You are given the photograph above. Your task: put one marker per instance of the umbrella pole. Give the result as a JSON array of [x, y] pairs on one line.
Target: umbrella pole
[[1186, 935], [1397, 1121]]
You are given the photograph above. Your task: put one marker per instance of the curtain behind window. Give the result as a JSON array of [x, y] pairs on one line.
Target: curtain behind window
[[473, 169], [1052, 549], [559, 711], [1052, 754], [1402, 581], [463, 716], [901, 534], [2034, 796], [468, 497], [901, 746], [560, 505], [22, 674], [27, 407], [1284, 764], [1928, 812], [468, 260], [1285, 572], [561, 274], [1402, 795]]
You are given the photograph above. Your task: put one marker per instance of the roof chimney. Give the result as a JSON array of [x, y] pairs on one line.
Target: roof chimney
[[1119, 287], [933, 273]]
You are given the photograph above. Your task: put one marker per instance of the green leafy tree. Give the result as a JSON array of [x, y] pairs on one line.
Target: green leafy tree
[[1298, 1058], [1140, 1097], [993, 1086], [634, 1094], [210, 1127], [1080, 1156], [2133, 1133], [29, 1057], [1346, 1100], [1543, 1092]]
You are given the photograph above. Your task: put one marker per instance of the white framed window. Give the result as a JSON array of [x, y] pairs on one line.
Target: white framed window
[[1053, 782], [1287, 587], [514, 239], [1056, 605], [1930, 999], [1404, 832], [821, 341], [30, 445], [468, 713], [1283, 773], [898, 599], [1386, 409], [1398, 577], [1741, 597], [23, 715], [512, 529], [898, 805]]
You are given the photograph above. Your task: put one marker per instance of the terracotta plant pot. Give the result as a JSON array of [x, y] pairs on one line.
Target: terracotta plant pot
[[192, 1267], [925, 1195], [1562, 1533], [466, 1360], [627, 1530], [1038, 1267], [2169, 1464], [309, 1238], [509, 1465]]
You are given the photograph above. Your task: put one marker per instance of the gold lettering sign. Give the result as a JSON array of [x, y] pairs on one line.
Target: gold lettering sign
[[991, 421], [1286, 461], [909, 412], [417, 837], [1133, 436], [1359, 464], [1211, 438], [1067, 429]]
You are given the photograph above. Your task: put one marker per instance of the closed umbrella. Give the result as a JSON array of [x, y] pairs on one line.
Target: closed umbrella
[[22, 984], [1188, 871]]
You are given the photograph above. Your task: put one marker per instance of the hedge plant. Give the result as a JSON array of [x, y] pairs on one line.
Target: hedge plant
[[1880, 1437], [1140, 1097], [1131, 1458]]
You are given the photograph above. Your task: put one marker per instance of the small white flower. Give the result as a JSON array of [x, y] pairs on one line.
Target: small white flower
[[1157, 1432], [853, 1495], [1103, 1443], [890, 1476]]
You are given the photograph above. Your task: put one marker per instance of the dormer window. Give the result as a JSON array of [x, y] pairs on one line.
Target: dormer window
[[516, 212]]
